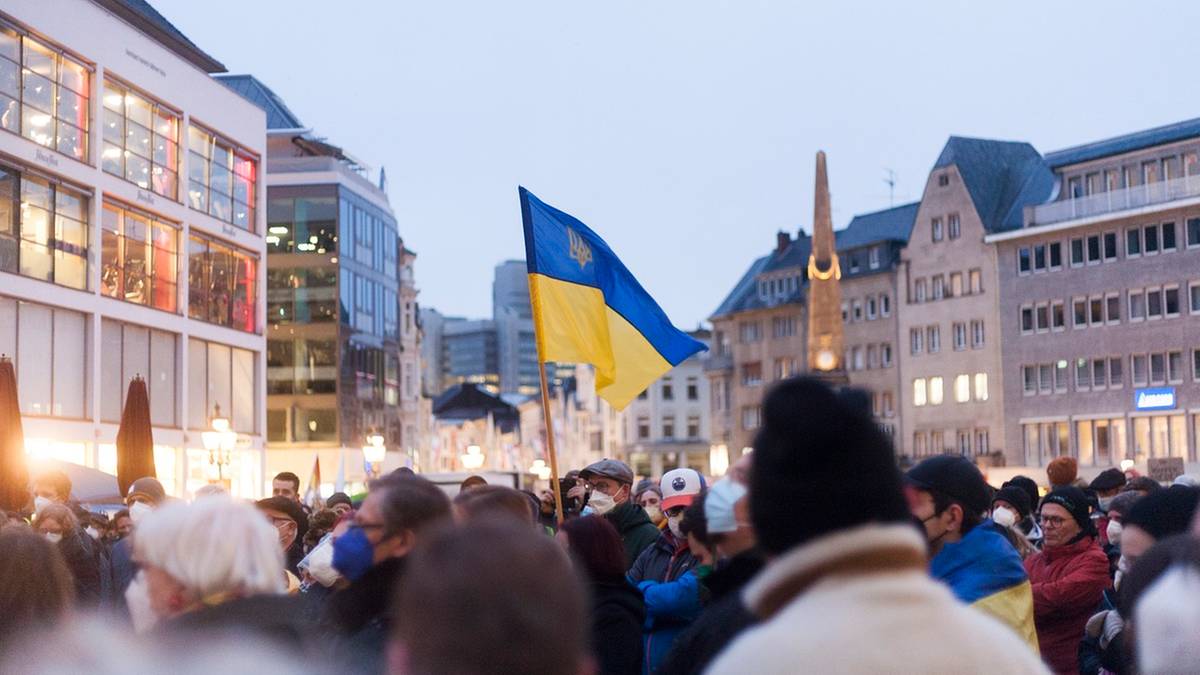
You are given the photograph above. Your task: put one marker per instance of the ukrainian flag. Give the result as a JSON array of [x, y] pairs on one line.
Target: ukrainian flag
[[588, 308]]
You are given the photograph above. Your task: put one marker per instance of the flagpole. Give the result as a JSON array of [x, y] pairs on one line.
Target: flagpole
[[546, 416]]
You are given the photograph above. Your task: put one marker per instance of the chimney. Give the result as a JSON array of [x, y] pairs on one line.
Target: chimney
[[782, 241]]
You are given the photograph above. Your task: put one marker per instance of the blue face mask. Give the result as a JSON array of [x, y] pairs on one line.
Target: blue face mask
[[353, 553]]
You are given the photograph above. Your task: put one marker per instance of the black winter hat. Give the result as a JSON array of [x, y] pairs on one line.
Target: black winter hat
[[1030, 487], [1164, 512], [1075, 501], [954, 476], [339, 498], [820, 449], [291, 508], [1109, 479], [1017, 497]]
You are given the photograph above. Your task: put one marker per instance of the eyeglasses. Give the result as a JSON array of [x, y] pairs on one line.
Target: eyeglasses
[[1055, 521]]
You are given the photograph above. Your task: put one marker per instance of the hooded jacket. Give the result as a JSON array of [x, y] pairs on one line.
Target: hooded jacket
[[617, 616], [1068, 583], [985, 571], [635, 528], [358, 616], [860, 601]]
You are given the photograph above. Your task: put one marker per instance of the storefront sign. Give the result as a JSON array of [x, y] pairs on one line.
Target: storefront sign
[[1158, 398], [1165, 469]]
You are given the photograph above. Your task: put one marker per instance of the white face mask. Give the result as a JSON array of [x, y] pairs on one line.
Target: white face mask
[[1004, 517], [1114, 533], [673, 523], [137, 598], [53, 537], [40, 503], [139, 511], [601, 503], [319, 563], [655, 513], [1105, 502]]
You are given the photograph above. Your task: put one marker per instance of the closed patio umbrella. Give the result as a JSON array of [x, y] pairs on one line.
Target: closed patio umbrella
[[14, 473], [135, 442]]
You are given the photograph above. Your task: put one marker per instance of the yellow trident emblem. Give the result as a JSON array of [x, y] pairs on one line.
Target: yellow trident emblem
[[580, 251]]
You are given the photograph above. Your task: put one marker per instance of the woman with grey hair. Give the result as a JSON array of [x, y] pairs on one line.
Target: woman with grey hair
[[211, 569]]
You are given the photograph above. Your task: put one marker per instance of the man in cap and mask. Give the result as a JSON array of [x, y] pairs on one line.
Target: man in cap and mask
[[1107, 485], [949, 496], [143, 496], [610, 485], [291, 523]]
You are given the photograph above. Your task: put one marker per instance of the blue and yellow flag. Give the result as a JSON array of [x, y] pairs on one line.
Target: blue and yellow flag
[[588, 308]]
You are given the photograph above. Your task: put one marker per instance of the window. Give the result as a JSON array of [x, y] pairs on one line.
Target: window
[[1168, 236], [43, 94], [1099, 373], [935, 228], [1154, 303], [693, 426], [221, 179], [935, 391], [956, 284], [943, 180], [1027, 324], [873, 257], [885, 355], [1096, 310], [222, 375], [1060, 375], [953, 226], [934, 339], [1175, 367], [919, 290], [872, 309], [1194, 297], [981, 442], [856, 359], [919, 447], [939, 287], [962, 388], [1158, 368], [885, 305], [976, 334], [916, 338], [1150, 240], [981, 386], [1110, 245], [1076, 252], [139, 258], [49, 350], [1039, 258], [784, 368], [1024, 260], [1093, 249], [1137, 305], [748, 331], [222, 284], [1055, 255], [1138, 366], [751, 416], [1193, 232], [919, 392], [960, 336], [872, 356], [1045, 378], [1058, 316], [141, 141], [1083, 374], [302, 366], [964, 442], [856, 310], [668, 426], [668, 389], [783, 326], [887, 404], [1042, 314], [1196, 364], [1080, 305], [976, 277], [309, 225], [693, 389], [1133, 242], [1112, 308], [43, 228], [643, 427], [1029, 377], [1171, 300], [1116, 375], [752, 374]]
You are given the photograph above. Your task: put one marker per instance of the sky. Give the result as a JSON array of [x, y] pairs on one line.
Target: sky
[[684, 132]]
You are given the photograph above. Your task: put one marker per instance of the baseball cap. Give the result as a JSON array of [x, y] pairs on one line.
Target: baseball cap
[[680, 487], [609, 468], [954, 476]]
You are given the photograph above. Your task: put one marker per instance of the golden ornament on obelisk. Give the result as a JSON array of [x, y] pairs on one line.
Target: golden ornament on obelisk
[[826, 345]]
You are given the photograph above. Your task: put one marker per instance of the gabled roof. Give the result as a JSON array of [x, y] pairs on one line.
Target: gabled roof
[[745, 287], [894, 224], [145, 18], [1138, 140], [1002, 177], [253, 90]]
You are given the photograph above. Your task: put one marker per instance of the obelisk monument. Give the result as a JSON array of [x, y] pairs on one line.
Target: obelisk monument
[[826, 344]]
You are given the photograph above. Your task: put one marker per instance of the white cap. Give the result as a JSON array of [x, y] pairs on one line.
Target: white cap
[[680, 487]]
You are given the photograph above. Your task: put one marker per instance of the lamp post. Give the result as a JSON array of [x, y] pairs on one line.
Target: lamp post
[[473, 458], [374, 453], [220, 442]]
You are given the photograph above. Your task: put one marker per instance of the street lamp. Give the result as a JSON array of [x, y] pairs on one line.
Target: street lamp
[[374, 453], [219, 442], [540, 469], [473, 459], [718, 459]]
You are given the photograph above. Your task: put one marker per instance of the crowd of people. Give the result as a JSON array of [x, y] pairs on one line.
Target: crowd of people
[[815, 554]]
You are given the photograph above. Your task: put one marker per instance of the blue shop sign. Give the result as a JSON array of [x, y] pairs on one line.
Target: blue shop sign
[[1155, 398]]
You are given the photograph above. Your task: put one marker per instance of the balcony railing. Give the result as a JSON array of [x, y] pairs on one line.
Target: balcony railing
[[1114, 201]]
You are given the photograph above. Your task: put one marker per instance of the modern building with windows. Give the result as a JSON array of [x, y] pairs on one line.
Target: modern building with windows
[[342, 340], [131, 240], [667, 426], [1100, 304]]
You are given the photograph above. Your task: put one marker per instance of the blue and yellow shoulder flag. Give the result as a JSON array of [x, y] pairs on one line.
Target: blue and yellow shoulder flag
[[588, 308]]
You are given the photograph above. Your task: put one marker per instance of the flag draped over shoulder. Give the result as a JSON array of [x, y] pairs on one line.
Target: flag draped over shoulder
[[588, 308]]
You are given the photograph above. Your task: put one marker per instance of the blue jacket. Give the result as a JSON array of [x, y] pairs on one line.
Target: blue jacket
[[671, 590]]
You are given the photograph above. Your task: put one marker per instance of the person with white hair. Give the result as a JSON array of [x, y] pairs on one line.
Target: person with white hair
[[213, 567]]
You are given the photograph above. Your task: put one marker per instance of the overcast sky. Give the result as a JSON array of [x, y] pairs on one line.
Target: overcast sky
[[684, 132]]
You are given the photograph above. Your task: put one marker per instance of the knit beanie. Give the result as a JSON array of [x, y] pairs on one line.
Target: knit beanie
[[1164, 512], [821, 465], [1017, 497], [1062, 471], [1075, 502], [1030, 487], [1124, 502]]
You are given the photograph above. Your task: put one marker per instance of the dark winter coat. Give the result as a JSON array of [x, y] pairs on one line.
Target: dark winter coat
[[84, 559], [663, 573], [635, 528], [722, 620], [617, 616], [275, 620], [124, 569], [358, 620], [1068, 582], [1093, 657]]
